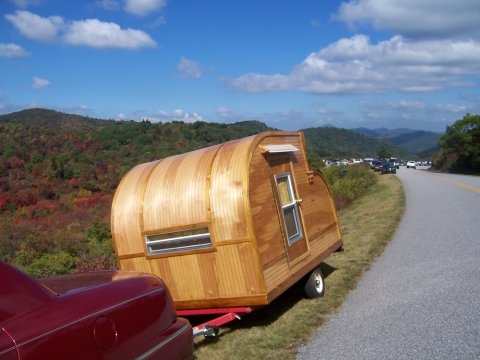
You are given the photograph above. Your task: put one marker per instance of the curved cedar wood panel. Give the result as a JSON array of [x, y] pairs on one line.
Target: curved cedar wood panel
[[203, 187], [126, 211], [176, 193], [228, 188]]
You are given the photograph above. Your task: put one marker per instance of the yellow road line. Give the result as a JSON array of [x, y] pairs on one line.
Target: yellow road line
[[462, 185]]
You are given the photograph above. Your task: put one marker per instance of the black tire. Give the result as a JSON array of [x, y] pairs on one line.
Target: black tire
[[315, 285]]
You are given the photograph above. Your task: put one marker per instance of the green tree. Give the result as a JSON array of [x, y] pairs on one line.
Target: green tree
[[52, 264], [461, 146], [384, 153], [100, 253]]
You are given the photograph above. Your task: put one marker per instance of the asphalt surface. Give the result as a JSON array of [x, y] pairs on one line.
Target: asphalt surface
[[421, 298]]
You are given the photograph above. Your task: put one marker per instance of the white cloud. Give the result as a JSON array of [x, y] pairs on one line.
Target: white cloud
[[189, 68], [89, 32], [408, 105], [143, 7], [355, 65], [98, 34], [159, 21], [36, 27], [227, 115], [453, 108], [224, 112], [39, 83], [256, 83], [25, 3], [176, 115], [12, 51], [415, 18], [186, 116]]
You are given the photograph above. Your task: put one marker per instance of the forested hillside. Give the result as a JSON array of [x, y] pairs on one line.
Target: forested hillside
[[58, 174], [330, 142], [414, 141]]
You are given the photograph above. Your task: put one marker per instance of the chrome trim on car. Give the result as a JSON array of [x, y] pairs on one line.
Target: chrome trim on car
[[164, 342]]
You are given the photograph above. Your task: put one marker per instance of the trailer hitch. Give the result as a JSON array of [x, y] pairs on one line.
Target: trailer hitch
[[209, 332]]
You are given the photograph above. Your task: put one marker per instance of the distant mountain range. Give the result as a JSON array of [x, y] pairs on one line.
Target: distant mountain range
[[414, 141], [325, 141]]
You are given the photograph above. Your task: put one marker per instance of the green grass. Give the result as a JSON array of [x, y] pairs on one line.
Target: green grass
[[276, 331]]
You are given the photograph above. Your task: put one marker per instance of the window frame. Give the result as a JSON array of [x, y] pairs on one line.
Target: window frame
[[191, 239], [289, 208]]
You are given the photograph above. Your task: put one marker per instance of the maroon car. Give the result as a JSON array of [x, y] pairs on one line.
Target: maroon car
[[98, 315]]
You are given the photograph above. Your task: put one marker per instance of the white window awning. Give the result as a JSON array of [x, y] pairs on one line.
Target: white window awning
[[278, 148]]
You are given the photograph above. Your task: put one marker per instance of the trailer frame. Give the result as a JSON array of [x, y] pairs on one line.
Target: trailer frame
[[210, 328]]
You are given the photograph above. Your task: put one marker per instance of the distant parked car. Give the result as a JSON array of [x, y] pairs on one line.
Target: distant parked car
[[98, 315], [411, 164], [389, 168], [377, 165], [395, 162]]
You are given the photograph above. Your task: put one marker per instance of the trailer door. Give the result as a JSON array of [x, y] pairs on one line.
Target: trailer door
[[287, 202]]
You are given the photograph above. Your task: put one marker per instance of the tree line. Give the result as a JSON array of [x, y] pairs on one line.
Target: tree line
[[58, 174]]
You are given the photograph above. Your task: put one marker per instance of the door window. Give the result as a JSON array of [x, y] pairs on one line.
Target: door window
[[289, 207]]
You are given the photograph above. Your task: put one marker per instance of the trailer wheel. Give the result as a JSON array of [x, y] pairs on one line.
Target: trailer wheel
[[315, 286]]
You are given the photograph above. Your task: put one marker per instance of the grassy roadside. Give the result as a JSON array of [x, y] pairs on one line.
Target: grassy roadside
[[276, 331]]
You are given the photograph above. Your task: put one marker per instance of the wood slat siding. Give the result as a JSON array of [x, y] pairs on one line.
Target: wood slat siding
[[207, 278], [317, 212], [267, 227], [176, 193], [270, 241], [126, 211], [226, 187], [228, 191]]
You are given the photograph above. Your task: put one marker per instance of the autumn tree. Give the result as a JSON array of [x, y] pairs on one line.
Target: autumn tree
[[461, 146]]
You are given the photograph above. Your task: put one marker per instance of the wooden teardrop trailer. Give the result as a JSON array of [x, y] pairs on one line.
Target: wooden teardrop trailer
[[231, 225]]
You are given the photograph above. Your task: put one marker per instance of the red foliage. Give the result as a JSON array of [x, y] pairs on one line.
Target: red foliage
[[85, 145], [43, 207], [75, 183], [4, 200], [94, 200], [16, 162], [25, 199]]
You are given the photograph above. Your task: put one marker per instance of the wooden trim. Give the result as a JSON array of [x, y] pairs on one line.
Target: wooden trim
[[131, 256], [177, 228], [254, 300], [235, 241], [208, 185], [248, 210]]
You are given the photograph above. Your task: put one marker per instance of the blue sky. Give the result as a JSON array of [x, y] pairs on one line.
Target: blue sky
[[290, 64]]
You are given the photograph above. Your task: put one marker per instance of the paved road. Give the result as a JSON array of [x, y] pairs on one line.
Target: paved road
[[421, 299]]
